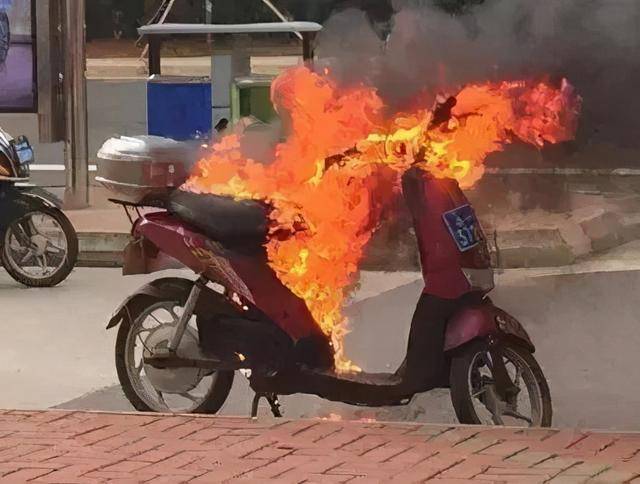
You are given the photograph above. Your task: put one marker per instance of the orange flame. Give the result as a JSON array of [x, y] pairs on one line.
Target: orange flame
[[342, 203]]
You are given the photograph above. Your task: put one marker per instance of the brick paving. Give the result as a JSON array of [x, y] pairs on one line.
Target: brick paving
[[84, 447]]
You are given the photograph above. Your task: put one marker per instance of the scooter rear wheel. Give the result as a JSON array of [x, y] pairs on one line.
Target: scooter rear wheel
[[177, 390], [473, 390]]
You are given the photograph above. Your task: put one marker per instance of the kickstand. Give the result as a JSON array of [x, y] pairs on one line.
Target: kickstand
[[272, 398]]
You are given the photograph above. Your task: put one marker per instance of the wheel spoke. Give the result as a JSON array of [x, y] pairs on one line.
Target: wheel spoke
[[518, 415], [188, 396], [21, 236], [479, 392], [518, 375], [53, 249], [161, 400], [143, 342], [42, 263], [28, 256], [157, 320], [32, 227], [488, 362], [497, 419], [173, 313]]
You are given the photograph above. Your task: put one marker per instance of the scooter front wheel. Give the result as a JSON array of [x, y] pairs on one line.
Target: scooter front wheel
[[474, 395]]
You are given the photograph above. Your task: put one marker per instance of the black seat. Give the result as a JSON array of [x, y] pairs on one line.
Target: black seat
[[224, 219]]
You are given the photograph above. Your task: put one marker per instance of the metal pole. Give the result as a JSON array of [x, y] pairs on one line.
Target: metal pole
[[75, 94], [308, 51], [280, 15], [155, 54], [51, 113]]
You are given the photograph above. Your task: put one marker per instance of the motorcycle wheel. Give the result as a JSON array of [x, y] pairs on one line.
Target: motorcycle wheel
[[171, 390], [473, 390], [40, 249]]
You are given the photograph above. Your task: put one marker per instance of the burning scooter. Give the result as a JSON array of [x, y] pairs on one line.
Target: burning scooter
[[237, 315], [271, 269], [180, 340]]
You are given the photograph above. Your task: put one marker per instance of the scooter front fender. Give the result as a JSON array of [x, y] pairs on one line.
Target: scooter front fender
[[16, 202], [38, 197], [481, 321]]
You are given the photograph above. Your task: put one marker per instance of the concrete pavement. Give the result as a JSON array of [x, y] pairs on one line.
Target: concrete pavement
[[77, 447], [54, 350]]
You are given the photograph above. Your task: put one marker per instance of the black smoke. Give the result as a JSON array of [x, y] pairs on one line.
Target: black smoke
[[430, 49]]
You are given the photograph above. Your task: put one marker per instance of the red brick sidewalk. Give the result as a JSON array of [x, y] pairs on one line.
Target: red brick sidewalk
[[77, 447]]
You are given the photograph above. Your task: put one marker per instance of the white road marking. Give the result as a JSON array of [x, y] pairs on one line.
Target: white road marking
[[55, 167]]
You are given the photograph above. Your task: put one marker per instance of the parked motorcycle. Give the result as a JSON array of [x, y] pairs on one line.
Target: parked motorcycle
[[180, 340], [38, 244]]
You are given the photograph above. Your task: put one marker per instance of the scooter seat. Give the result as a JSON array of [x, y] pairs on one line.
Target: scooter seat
[[224, 219]]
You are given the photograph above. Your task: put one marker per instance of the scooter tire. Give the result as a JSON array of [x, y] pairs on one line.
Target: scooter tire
[[71, 258], [211, 405], [461, 397]]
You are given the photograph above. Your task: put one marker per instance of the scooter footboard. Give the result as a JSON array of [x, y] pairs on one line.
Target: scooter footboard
[[261, 345], [481, 321]]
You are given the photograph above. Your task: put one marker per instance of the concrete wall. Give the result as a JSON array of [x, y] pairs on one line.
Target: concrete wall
[[119, 107], [115, 107]]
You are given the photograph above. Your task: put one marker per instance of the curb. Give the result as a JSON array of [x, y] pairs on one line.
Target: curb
[[101, 249], [583, 234]]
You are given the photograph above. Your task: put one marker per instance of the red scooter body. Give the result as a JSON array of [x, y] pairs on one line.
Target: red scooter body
[[252, 279], [248, 276], [257, 323]]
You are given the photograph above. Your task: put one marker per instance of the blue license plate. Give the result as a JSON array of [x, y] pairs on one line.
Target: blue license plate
[[24, 152], [463, 227]]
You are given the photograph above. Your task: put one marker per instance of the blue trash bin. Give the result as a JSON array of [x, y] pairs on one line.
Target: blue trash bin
[[179, 107]]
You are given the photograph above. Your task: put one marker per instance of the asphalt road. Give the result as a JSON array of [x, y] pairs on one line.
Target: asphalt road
[[54, 350]]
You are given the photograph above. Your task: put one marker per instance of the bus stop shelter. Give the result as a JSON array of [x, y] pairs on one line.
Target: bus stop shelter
[[231, 69], [156, 34]]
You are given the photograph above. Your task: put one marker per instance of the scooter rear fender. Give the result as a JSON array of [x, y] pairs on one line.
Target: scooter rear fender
[[481, 321], [224, 328], [170, 236], [178, 289]]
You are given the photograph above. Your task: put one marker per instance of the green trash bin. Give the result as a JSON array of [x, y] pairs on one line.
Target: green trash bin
[[251, 96]]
